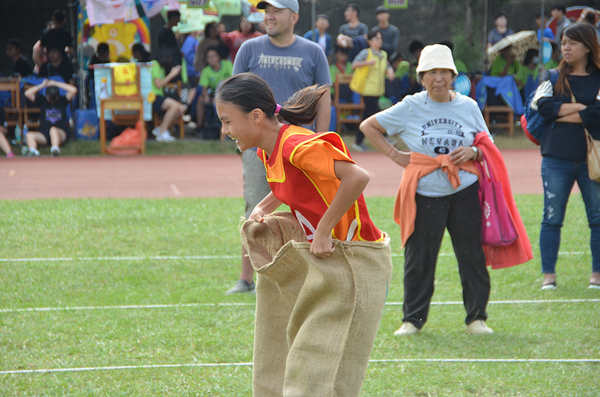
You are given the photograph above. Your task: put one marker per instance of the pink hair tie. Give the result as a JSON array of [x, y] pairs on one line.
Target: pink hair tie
[[277, 108]]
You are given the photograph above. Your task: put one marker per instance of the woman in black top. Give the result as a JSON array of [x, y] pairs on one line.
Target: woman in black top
[[564, 147]]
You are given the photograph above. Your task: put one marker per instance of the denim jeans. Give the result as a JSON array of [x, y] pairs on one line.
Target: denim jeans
[[559, 177]]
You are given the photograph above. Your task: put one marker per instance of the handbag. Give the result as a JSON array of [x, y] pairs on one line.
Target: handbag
[[359, 77], [497, 225], [593, 152], [533, 124]]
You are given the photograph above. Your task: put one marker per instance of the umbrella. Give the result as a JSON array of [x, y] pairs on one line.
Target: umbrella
[[520, 42]]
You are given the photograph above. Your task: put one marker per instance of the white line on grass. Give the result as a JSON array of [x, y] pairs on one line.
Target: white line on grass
[[401, 360], [185, 258], [178, 305]]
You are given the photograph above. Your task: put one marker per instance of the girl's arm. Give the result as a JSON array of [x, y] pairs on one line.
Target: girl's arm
[[353, 181], [31, 92], [160, 83], [71, 90], [374, 131], [360, 64], [269, 204]]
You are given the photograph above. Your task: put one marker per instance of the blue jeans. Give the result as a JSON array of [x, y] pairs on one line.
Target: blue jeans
[[559, 177]]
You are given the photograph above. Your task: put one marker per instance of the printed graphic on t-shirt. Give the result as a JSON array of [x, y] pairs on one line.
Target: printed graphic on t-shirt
[[443, 134], [280, 62], [53, 115]]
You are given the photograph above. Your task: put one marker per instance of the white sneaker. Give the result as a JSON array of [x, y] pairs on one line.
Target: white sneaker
[[407, 329], [165, 137], [156, 131], [242, 286], [478, 327]]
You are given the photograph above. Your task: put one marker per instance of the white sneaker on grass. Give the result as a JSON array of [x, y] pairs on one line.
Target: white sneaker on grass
[[156, 131], [165, 137], [478, 327], [407, 329], [242, 286]]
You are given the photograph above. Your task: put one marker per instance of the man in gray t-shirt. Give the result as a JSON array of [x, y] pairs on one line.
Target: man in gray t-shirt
[[287, 63], [354, 27]]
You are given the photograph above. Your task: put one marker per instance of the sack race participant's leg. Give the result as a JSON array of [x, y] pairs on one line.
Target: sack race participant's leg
[[316, 319]]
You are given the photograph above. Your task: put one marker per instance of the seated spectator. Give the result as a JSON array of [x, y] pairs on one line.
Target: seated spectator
[[163, 72], [57, 65], [505, 63], [21, 66], [4, 144], [528, 73], [140, 53], [319, 35], [234, 40], [210, 77], [54, 122], [102, 55], [341, 66], [415, 49], [461, 67], [399, 87], [212, 38]]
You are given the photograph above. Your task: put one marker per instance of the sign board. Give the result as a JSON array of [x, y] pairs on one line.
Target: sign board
[[397, 4], [198, 3]]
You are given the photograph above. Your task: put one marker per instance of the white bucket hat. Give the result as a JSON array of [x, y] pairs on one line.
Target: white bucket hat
[[436, 56]]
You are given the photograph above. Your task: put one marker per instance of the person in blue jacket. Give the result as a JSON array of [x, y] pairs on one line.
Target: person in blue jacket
[[319, 35]]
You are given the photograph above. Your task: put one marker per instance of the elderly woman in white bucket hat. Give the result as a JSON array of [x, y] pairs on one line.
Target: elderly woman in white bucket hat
[[439, 188]]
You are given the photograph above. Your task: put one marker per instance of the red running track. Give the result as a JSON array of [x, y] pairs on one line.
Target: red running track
[[195, 176]]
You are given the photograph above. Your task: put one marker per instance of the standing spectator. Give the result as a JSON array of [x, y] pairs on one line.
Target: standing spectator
[[188, 50], [21, 66], [354, 27], [4, 144], [287, 63], [375, 59], [442, 128], [210, 77], [166, 37], [564, 149], [212, 38], [548, 34], [57, 36], [54, 122], [390, 33], [558, 13], [319, 35], [234, 40], [500, 30]]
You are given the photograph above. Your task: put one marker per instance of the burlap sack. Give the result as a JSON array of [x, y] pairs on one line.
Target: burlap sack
[[316, 319]]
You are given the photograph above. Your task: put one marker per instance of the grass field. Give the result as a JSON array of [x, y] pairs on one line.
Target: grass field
[[79, 281]]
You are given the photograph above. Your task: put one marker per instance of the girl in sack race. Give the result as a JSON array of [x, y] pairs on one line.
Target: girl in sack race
[[323, 269], [440, 189], [570, 107]]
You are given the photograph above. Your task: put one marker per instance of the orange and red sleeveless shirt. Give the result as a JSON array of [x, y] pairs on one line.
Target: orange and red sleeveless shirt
[[301, 174]]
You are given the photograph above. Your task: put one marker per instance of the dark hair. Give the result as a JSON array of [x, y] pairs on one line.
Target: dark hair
[[560, 7], [52, 93], [416, 45], [500, 15], [340, 49], [243, 18], [373, 33], [585, 34], [59, 16], [208, 27], [247, 91], [529, 55], [139, 47], [15, 43], [212, 48], [102, 48], [448, 44], [590, 17], [354, 7], [173, 14], [166, 58], [396, 56]]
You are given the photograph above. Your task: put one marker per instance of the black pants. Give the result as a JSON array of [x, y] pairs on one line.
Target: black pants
[[371, 108], [461, 214]]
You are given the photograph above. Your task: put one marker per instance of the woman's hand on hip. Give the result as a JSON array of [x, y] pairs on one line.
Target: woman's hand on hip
[[462, 154]]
